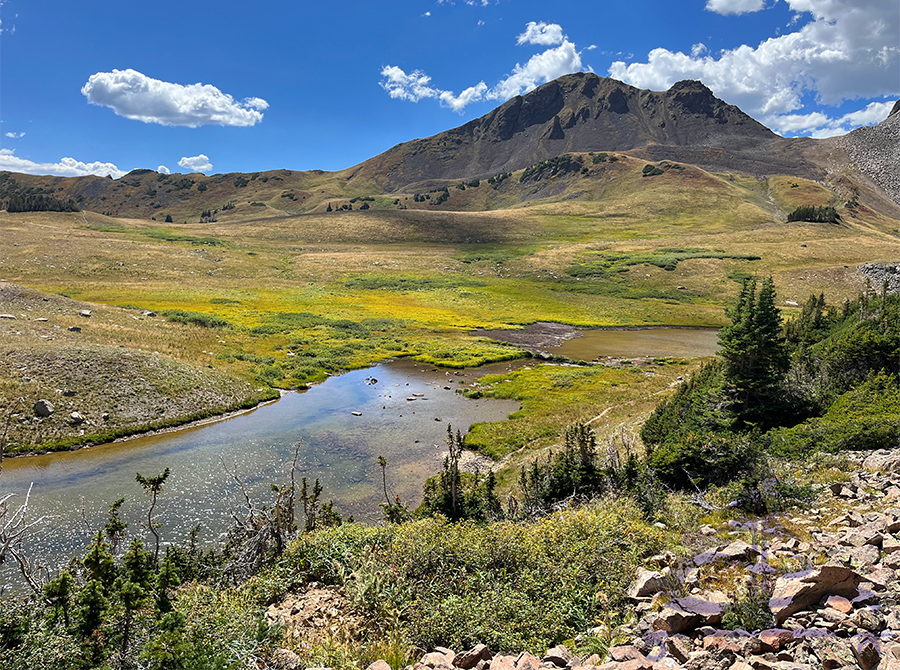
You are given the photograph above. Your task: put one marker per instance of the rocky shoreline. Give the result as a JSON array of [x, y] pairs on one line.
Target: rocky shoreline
[[824, 581]]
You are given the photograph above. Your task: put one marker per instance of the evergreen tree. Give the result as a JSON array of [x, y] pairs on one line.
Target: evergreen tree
[[58, 593], [754, 352]]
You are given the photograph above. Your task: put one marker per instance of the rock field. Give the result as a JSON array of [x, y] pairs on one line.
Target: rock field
[[822, 582]]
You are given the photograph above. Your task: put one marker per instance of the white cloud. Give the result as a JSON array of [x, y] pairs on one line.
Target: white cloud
[[850, 49], [735, 6], [14, 136], [698, 50], [544, 34], [196, 163], [162, 169], [818, 124], [427, 14], [66, 167], [540, 68], [413, 86], [470, 95], [136, 96]]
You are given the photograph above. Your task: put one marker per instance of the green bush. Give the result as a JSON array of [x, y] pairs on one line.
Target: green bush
[[507, 585], [814, 214], [195, 318], [866, 417]]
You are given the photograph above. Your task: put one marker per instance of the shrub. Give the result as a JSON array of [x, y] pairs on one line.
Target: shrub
[[814, 214], [195, 318], [650, 171]]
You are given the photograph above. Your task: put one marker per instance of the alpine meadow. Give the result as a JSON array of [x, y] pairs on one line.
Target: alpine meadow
[[606, 377]]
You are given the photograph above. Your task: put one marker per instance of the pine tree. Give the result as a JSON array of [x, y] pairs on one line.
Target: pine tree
[[754, 352]]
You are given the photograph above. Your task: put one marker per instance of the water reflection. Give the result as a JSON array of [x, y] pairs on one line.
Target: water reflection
[[403, 415], [644, 342]]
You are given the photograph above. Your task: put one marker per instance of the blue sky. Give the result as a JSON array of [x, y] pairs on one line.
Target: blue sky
[[103, 86]]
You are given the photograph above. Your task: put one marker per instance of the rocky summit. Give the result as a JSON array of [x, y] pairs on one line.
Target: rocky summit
[[585, 112]]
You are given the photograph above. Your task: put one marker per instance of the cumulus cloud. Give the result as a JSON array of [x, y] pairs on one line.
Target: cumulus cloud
[[66, 167], [402, 86], [14, 136], [849, 49], [735, 6], [162, 169], [136, 96], [819, 124], [540, 68], [196, 163], [458, 102], [545, 34]]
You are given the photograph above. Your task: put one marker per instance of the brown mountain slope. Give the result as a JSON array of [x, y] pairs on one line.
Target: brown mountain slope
[[575, 114], [584, 112]]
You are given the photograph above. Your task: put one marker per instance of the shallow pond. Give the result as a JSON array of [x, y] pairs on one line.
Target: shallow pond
[[641, 342], [404, 409]]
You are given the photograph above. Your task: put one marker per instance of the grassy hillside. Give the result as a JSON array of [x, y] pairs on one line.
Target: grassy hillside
[[288, 297]]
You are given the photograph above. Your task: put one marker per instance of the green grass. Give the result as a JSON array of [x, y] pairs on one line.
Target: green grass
[[554, 397], [164, 234], [608, 263]]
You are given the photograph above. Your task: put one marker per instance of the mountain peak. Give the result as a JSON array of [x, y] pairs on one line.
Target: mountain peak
[[582, 112]]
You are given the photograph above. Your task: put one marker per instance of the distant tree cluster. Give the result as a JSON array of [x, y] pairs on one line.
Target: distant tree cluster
[[551, 167], [814, 214], [650, 171], [441, 197], [40, 203], [498, 179]]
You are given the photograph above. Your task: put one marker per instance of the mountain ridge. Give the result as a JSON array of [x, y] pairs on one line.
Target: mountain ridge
[[574, 114], [584, 112]]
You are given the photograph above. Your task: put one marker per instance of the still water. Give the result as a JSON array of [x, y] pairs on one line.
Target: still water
[[404, 409], [644, 342]]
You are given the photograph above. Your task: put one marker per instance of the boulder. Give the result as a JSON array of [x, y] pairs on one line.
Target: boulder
[[672, 619], [710, 612], [839, 603], [647, 583], [8, 316], [864, 556], [526, 661], [469, 659], [635, 664], [882, 461], [678, 647], [626, 652], [44, 408], [559, 656], [437, 659], [881, 578], [85, 313], [737, 551], [503, 663], [75, 418], [774, 639], [866, 649], [732, 642], [799, 590], [379, 665]]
